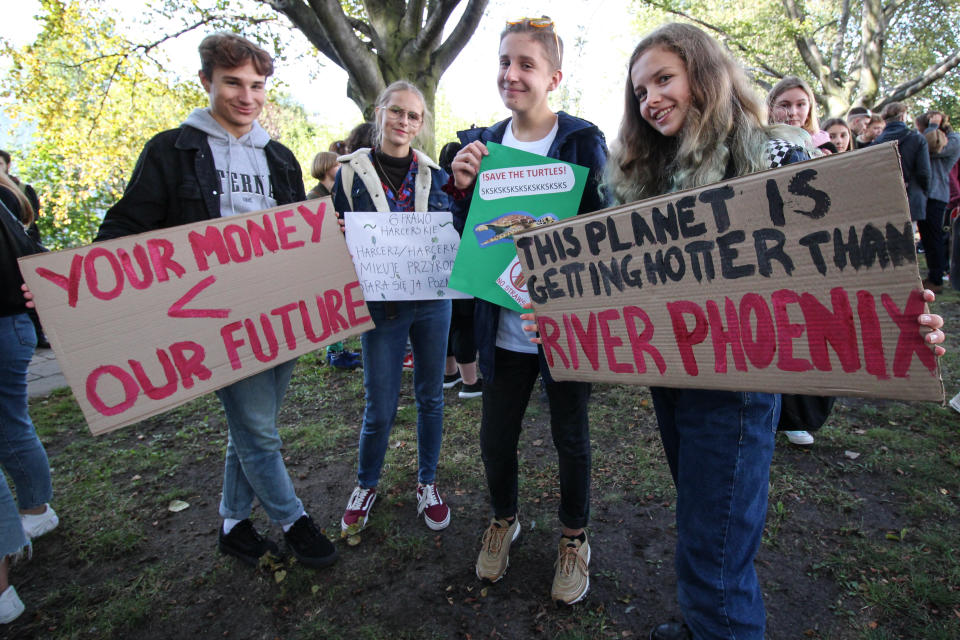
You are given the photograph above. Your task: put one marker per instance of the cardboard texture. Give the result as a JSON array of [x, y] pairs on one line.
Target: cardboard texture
[[403, 256], [801, 279], [514, 190], [144, 323]]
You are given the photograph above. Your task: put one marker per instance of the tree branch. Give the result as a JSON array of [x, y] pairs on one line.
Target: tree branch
[[915, 85], [413, 16], [459, 37], [433, 30], [358, 61], [728, 38], [809, 51], [891, 8], [305, 19], [838, 44], [147, 48]]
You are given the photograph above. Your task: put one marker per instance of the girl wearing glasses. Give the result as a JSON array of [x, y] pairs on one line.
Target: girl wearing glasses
[[395, 177], [530, 61], [691, 119]]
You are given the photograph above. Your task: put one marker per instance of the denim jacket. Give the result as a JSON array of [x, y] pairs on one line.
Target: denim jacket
[[579, 142]]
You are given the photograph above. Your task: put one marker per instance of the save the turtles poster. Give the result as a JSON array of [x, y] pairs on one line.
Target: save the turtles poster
[[515, 190]]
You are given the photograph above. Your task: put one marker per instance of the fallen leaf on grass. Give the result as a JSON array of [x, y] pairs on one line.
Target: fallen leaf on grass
[[944, 491], [279, 576], [538, 442], [177, 506], [897, 536], [853, 455]]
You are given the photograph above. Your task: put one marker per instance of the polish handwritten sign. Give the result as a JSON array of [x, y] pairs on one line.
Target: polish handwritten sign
[[144, 323], [403, 256], [801, 279]]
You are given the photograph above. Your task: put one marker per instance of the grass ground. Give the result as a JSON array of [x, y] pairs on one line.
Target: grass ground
[[861, 542]]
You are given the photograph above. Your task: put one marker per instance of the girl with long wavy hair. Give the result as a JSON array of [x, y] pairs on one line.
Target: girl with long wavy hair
[[692, 119]]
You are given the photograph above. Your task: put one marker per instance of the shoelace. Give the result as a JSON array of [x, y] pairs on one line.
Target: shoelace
[[493, 538], [356, 504], [430, 495], [569, 558]]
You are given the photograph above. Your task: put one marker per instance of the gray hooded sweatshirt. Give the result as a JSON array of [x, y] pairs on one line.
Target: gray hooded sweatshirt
[[240, 162]]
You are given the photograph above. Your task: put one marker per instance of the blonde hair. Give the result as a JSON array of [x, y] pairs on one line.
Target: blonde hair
[[26, 209], [724, 123], [384, 98], [811, 125], [322, 163], [545, 35]]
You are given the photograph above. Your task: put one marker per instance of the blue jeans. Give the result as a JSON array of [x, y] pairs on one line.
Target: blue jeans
[[254, 466], [719, 445], [427, 323], [12, 537], [21, 454]]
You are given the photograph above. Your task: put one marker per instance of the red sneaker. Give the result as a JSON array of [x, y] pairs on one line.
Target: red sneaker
[[408, 362], [358, 510], [430, 504]]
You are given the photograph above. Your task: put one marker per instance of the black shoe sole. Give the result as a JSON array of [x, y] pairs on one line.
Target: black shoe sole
[[253, 561], [312, 561]]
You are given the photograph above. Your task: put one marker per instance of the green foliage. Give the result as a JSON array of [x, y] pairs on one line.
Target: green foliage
[[766, 38], [92, 101]]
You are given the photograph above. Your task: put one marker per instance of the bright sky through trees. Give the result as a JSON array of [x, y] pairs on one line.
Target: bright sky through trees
[[598, 38]]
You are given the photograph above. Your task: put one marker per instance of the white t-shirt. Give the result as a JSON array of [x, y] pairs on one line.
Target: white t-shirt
[[510, 333]]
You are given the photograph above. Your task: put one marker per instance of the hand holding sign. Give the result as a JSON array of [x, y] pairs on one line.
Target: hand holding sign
[[515, 190], [144, 323], [785, 281]]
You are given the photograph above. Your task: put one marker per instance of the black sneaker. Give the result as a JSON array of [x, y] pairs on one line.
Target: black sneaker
[[246, 543], [309, 545], [451, 379], [472, 390]]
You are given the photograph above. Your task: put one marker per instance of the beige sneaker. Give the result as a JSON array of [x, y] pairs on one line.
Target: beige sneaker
[[494, 555], [572, 577]]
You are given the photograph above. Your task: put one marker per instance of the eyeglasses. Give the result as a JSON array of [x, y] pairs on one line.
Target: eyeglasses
[[539, 23], [397, 113]]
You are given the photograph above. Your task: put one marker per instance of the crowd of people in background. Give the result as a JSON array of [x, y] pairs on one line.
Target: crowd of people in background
[[491, 352]]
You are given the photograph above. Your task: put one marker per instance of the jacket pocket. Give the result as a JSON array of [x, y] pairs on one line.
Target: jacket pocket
[[189, 191]]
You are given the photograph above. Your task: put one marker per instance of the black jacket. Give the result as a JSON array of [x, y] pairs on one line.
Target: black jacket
[[14, 243], [579, 142], [914, 163], [175, 182]]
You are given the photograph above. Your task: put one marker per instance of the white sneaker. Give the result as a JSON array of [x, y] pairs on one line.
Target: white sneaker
[[799, 437], [11, 606], [37, 525]]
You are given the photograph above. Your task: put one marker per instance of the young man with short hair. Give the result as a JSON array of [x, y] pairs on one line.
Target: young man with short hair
[[220, 162], [857, 119]]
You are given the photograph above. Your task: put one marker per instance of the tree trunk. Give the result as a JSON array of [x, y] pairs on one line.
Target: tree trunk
[[399, 40]]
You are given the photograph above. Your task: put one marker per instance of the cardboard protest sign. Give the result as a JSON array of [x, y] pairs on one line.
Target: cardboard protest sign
[[515, 190], [403, 256], [801, 279], [144, 323]]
